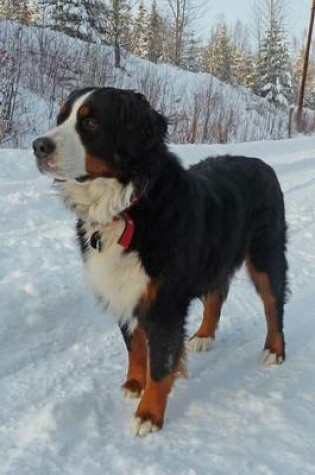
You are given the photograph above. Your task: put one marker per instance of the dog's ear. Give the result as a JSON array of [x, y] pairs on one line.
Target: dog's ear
[[143, 122], [73, 94], [160, 124]]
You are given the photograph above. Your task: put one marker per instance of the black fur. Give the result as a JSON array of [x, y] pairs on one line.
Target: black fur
[[193, 228]]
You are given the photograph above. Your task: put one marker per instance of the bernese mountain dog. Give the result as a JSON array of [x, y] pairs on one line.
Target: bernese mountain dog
[[155, 235]]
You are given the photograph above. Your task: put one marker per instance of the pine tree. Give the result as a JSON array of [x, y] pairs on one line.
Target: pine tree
[[155, 35], [191, 55], [310, 99], [218, 56], [140, 40], [243, 68], [248, 71], [84, 19], [297, 71], [275, 82], [24, 12], [118, 27]]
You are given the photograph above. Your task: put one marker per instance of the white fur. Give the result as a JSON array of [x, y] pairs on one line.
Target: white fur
[[196, 344], [69, 156], [142, 428], [96, 201], [270, 359], [118, 278], [131, 394]]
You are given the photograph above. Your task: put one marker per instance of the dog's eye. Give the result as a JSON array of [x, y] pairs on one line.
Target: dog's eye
[[89, 123]]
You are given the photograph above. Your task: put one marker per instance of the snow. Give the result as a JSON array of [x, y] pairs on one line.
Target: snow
[[63, 360], [224, 113]]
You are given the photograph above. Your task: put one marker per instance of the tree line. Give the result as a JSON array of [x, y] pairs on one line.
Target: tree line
[[167, 34]]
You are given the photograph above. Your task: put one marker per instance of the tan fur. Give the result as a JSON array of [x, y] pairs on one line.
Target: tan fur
[[274, 339], [137, 369]]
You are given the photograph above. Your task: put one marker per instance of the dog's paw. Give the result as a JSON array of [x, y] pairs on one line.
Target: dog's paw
[[269, 358], [132, 389], [197, 343], [142, 426]]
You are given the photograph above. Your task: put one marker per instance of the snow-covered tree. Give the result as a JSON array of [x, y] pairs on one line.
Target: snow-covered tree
[[218, 56], [191, 59], [119, 27], [24, 12], [242, 57], [84, 19], [182, 15], [155, 35], [140, 33], [297, 71], [275, 82], [243, 72], [310, 99]]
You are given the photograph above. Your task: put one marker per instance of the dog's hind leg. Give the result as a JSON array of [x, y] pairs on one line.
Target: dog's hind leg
[[204, 337], [269, 276]]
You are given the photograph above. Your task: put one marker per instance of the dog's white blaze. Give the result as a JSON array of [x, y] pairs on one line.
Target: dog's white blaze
[[70, 153], [118, 278]]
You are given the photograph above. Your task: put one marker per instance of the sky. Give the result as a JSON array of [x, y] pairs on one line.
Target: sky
[[298, 12]]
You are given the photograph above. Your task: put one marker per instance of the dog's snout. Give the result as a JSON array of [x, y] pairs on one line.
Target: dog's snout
[[43, 147]]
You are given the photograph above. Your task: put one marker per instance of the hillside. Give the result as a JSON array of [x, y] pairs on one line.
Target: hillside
[[39, 67], [63, 360]]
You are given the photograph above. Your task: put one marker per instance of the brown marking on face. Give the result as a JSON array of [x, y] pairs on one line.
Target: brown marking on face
[[154, 400], [137, 367], [84, 111], [95, 167], [274, 340]]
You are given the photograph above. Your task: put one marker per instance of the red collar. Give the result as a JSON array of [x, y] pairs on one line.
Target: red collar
[[128, 232]]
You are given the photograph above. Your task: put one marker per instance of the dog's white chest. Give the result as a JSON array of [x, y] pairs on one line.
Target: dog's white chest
[[117, 277]]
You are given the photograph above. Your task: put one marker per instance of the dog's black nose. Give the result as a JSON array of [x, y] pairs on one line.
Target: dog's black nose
[[43, 147]]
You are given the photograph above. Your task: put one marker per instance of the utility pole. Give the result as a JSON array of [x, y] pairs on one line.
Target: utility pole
[[305, 66]]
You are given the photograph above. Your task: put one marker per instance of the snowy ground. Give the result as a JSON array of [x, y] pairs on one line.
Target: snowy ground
[[62, 360]]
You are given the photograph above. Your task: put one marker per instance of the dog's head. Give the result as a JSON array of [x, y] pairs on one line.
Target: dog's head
[[103, 132]]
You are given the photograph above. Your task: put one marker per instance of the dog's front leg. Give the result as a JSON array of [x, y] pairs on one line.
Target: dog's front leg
[[137, 361], [165, 362]]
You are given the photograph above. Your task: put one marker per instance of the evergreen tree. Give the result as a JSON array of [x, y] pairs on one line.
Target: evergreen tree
[[275, 82], [243, 68], [191, 56], [155, 35], [297, 71], [248, 72], [140, 36], [24, 12], [310, 99], [84, 19], [118, 27], [218, 56]]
